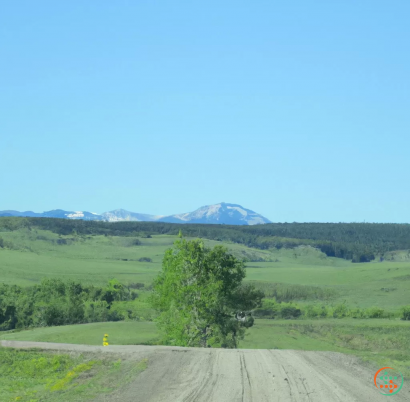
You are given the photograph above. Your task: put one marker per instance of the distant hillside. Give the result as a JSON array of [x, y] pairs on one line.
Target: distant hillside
[[358, 242], [222, 213], [18, 213], [56, 213]]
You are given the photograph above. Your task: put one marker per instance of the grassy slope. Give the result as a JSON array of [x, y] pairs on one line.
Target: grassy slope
[[97, 259]]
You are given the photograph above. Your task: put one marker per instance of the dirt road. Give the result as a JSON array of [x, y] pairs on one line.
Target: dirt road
[[221, 375]]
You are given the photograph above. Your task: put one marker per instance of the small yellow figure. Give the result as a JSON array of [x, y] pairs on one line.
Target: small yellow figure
[[105, 340]]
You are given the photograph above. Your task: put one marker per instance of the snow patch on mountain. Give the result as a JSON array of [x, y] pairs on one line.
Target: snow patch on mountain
[[240, 210], [120, 215], [76, 214]]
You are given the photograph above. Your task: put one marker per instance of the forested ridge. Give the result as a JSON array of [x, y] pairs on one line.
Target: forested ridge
[[359, 242]]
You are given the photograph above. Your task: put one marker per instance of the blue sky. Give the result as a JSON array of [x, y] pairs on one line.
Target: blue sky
[[298, 110]]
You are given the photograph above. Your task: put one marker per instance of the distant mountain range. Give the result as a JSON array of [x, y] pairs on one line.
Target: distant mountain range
[[222, 213]]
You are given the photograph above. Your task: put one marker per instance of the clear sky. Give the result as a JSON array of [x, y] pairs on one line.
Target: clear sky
[[299, 110]]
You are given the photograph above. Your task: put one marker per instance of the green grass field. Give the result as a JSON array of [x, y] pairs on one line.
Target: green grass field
[[119, 333], [96, 259]]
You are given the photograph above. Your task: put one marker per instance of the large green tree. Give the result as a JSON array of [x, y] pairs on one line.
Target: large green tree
[[201, 298]]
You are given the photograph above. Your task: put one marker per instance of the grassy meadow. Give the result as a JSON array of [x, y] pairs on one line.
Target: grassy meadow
[[39, 254], [303, 275]]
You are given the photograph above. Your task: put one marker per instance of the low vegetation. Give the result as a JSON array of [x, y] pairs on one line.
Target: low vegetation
[[33, 375], [286, 292], [272, 309]]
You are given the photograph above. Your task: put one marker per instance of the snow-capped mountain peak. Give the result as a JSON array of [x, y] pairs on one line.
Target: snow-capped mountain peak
[[222, 213]]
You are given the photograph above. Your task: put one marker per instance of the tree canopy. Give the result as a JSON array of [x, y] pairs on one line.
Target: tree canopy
[[200, 296], [56, 302]]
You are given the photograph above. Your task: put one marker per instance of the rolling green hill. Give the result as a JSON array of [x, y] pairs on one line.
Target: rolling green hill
[[35, 254], [358, 242]]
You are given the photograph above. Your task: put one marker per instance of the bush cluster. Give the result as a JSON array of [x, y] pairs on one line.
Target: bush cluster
[[6, 244], [55, 302], [342, 311], [273, 309], [405, 313]]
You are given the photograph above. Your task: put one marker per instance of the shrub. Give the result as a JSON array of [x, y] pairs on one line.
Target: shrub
[[357, 313], [289, 312], [7, 244], [340, 311], [405, 313], [145, 259], [271, 309], [315, 311], [96, 311], [137, 285], [375, 312], [115, 316], [53, 315]]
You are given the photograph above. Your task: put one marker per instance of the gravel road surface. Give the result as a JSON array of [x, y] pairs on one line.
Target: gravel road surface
[[241, 375]]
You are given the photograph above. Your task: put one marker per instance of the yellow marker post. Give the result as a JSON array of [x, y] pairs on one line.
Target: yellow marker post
[[105, 340]]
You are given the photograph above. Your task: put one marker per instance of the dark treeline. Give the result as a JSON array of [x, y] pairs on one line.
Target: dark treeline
[[359, 242]]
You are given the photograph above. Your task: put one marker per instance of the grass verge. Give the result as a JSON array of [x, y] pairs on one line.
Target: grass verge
[[120, 333], [33, 375]]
